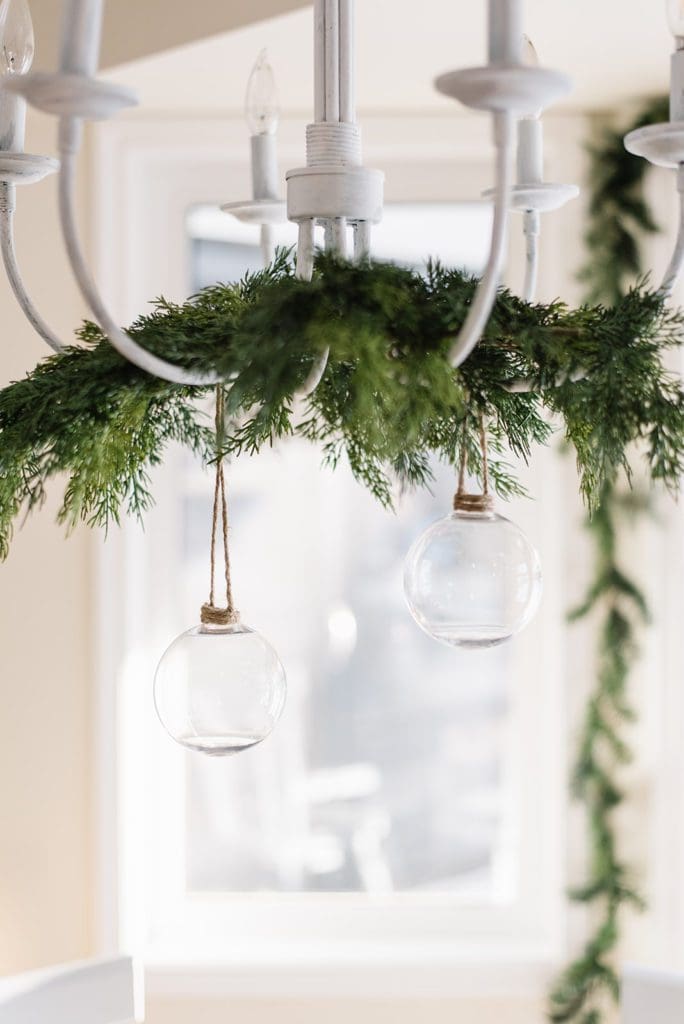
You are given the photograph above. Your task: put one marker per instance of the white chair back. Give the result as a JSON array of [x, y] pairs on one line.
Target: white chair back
[[97, 992], [652, 996]]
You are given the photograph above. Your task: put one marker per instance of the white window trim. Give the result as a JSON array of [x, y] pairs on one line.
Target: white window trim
[[163, 165]]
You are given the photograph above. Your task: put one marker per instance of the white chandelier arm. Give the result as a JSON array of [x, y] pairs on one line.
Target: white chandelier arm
[[304, 271], [7, 208], [674, 270], [485, 296], [531, 230], [120, 340]]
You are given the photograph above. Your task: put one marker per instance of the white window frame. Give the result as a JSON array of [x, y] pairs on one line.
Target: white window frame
[[351, 946]]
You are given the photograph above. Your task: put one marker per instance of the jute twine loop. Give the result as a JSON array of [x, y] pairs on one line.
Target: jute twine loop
[[464, 502], [210, 614]]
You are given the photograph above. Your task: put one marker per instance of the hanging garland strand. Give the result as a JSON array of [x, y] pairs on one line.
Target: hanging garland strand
[[588, 986], [619, 217], [388, 398]]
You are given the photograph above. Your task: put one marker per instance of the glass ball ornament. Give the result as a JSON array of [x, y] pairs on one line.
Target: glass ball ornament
[[219, 689], [472, 579]]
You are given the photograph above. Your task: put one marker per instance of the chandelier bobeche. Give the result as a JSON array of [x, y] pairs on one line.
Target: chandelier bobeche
[[472, 579]]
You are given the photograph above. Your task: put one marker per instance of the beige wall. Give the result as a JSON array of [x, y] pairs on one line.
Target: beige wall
[[45, 653]]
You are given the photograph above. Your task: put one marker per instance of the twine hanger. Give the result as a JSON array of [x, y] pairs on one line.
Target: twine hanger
[[464, 502], [212, 615]]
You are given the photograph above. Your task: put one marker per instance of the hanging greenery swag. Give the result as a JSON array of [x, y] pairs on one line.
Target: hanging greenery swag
[[587, 989], [388, 398]]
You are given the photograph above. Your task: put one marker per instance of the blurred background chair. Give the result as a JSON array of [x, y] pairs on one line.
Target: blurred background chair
[[96, 992], [651, 996]]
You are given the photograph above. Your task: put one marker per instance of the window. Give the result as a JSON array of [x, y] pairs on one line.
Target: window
[[409, 799]]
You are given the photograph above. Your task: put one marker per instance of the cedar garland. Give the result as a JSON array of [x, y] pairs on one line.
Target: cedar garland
[[590, 985]]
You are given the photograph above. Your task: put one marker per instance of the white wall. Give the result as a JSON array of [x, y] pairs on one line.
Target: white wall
[[45, 655]]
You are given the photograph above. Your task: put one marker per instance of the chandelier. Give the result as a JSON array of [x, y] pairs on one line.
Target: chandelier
[[472, 579]]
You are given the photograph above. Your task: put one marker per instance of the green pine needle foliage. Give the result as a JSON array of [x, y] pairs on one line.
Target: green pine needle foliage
[[619, 215], [590, 985], [388, 398]]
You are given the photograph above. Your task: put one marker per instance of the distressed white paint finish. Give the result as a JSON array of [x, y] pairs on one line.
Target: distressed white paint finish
[[355, 193], [81, 36], [333, 187], [26, 168], [71, 95], [518, 90], [104, 992], [12, 122]]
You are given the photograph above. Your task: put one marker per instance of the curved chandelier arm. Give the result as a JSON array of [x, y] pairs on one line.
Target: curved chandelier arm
[[120, 340], [674, 270], [9, 258], [485, 296], [531, 227], [304, 271]]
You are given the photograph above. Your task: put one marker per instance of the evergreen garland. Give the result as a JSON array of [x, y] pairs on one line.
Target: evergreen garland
[[588, 986], [619, 217], [388, 398]]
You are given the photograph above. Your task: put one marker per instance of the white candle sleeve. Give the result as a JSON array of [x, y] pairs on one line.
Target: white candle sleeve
[[12, 122], [677, 86], [81, 36], [265, 183], [530, 151], [505, 31]]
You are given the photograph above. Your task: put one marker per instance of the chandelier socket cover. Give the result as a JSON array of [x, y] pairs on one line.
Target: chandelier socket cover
[[502, 88]]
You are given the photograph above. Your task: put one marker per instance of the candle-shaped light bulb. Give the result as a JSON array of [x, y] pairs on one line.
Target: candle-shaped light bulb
[[675, 16], [261, 101], [261, 112], [17, 42], [530, 58], [530, 130]]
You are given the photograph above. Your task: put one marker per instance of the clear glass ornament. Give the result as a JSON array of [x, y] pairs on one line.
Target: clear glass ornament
[[219, 689], [472, 579]]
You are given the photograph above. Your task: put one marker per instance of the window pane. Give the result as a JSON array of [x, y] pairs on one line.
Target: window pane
[[387, 770]]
